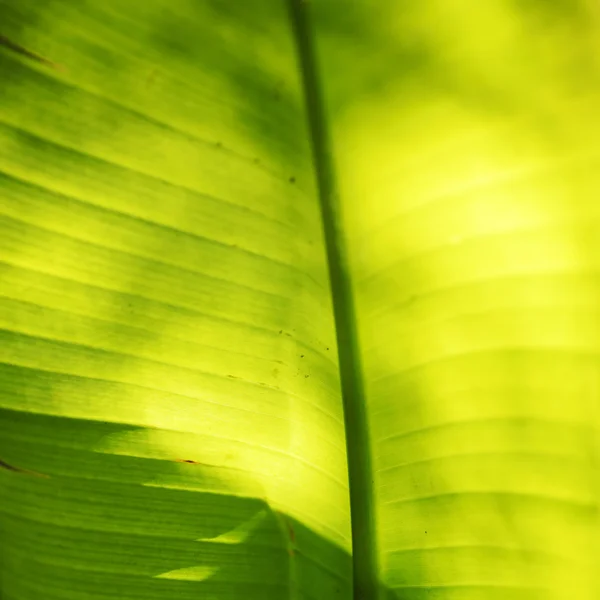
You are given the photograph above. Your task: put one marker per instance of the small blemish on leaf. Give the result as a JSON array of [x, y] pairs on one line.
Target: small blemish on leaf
[[302, 356], [292, 179], [18, 49], [14, 469], [281, 331], [307, 376], [151, 78]]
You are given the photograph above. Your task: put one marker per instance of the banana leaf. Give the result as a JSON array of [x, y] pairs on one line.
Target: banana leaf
[[299, 299]]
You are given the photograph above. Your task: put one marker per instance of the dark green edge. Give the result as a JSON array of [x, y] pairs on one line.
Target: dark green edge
[[360, 471]]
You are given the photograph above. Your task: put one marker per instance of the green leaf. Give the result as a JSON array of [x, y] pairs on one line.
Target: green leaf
[[168, 350], [248, 249], [467, 158]]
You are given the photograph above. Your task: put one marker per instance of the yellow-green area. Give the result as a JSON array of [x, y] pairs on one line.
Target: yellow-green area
[[466, 137], [170, 414], [171, 421]]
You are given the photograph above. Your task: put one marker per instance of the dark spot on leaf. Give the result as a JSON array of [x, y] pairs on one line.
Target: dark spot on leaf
[[306, 376], [188, 461], [18, 49], [302, 356], [219, 144], [151, 78], [292, 179], [288, 334], [281, 331], [14, 469], [327, 348]]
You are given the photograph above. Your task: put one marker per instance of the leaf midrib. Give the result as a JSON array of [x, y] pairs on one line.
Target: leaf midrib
[[358, 446]]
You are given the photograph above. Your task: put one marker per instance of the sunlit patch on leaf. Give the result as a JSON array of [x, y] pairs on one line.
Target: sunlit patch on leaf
[[198, 573], [240, 534]]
